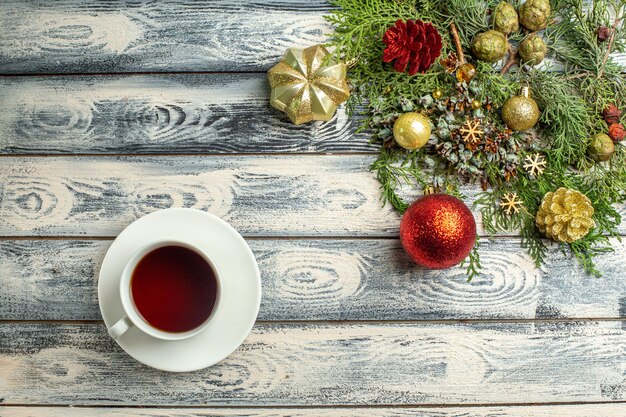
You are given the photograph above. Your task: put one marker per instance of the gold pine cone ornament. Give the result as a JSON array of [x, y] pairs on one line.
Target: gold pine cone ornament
[[307, 85], [565, 215]]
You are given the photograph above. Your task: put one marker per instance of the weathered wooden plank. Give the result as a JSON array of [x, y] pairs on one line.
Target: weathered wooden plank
[[585, 410], [77, 36], [270, 196], [313, 364], [193, 113], [336, 280]]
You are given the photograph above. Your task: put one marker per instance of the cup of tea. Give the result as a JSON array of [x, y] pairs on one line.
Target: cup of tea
[[169, 289]]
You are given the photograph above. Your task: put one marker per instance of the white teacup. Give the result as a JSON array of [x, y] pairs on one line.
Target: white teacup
[[133, 318]]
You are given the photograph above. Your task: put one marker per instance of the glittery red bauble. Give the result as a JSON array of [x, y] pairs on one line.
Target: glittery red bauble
[[413, 43], [438, 231]]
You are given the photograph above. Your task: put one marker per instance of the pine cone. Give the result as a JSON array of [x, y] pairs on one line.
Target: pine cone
[[611, 114], [565, 215], [414, 43], [617, 132], [603, 33]]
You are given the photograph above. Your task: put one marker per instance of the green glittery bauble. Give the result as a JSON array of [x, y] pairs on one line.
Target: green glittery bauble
[[490, 46], [521, 112], [601, 147], [534, 14], [533, 49], [505, 18]]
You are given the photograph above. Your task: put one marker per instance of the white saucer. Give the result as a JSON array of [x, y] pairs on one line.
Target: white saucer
[[241, 289]]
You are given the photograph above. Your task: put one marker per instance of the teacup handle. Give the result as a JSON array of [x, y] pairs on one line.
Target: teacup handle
[[121, 327]]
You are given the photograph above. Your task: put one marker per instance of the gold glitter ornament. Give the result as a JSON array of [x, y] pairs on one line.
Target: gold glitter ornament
[[565, 215], [304, 88], [521, 112], [411, 130]]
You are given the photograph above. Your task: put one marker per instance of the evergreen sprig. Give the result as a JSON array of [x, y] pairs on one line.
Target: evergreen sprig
[[572, 87]]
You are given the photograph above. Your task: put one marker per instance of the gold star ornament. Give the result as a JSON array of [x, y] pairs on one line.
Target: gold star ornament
[[307, 85]]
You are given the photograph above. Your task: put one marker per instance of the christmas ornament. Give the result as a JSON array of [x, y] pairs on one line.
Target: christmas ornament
[[510, 203], [617, 132], [535, 164], [437, 94], [306, 90], [533, 49], [411, 130], [520, 113], [534, 14], [603, 33], [490, 46], [601, 148], [412, 43], [476, 104], [471, 132], [611, 114], [438, 231], [565, 215], [465, 72], [505, 18]]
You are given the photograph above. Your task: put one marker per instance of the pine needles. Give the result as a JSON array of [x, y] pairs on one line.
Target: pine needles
[[578, 81]]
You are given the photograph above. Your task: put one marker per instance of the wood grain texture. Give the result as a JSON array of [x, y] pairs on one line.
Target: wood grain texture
[[588, 410], [336, 280], [211, 113], [75, 36], [259, 195], [282, 364]]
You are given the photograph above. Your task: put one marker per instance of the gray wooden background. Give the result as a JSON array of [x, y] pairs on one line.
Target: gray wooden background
[[111, 110]]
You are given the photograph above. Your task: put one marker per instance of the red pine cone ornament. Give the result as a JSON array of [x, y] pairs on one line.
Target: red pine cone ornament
[[617, 132], [413, 43]]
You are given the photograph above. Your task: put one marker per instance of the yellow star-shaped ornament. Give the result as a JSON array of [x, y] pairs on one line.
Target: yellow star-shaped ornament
[[305, 89]]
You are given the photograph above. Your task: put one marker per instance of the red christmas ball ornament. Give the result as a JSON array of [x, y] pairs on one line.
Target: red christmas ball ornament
[[438, 231], [412, 43]]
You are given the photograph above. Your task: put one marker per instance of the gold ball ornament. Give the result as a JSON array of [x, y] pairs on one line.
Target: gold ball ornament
[[565, 215], [306, 89], [437, 94], [476, 104], [521, 113], [411, 130]]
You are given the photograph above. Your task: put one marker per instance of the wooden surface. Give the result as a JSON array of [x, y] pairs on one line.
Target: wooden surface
[[595, 410], [165, 104]]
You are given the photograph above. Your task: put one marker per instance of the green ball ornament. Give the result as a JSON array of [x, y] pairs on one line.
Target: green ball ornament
[[411, 130], [505, 18], [601, 147], [490, 46], [521, 113], [534, 14], [533, 49]]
